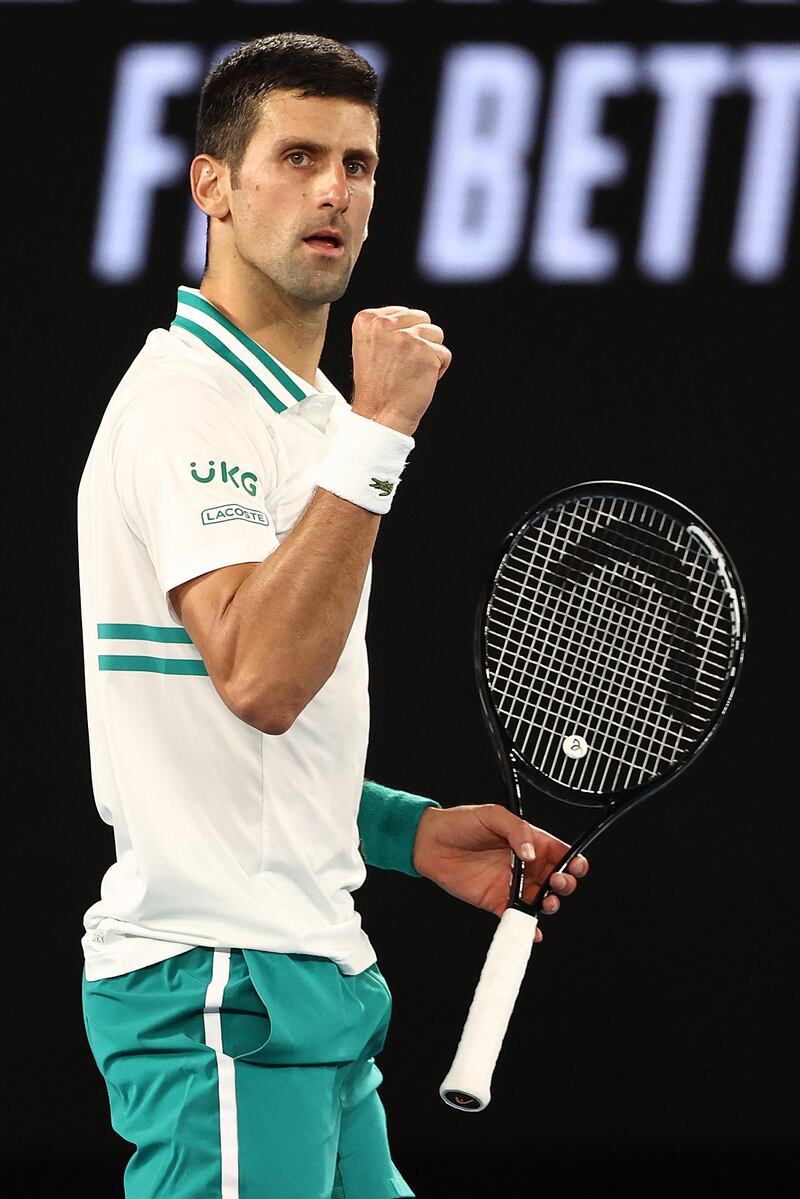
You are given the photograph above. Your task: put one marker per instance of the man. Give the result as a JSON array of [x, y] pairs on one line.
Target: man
[[227, 516]]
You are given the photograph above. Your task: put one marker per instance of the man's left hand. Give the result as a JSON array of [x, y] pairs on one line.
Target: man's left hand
[[466, 850]]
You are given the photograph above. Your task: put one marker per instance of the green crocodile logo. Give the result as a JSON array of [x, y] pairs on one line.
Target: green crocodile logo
[[382, 485]]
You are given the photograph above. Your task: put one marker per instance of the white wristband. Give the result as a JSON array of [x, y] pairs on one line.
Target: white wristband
[[364, 462]]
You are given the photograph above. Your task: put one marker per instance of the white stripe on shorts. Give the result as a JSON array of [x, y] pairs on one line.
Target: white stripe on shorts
[[228, 1129]]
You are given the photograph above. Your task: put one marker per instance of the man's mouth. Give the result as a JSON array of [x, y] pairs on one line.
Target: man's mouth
[[326, 242]]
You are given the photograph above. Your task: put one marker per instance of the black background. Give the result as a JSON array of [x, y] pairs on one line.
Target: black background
[[654, 1040]]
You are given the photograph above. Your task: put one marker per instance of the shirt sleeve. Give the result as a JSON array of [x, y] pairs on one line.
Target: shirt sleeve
[[387, 826], [194, 485]]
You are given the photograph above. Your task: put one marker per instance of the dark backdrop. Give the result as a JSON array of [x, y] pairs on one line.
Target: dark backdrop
[[655, 1036]]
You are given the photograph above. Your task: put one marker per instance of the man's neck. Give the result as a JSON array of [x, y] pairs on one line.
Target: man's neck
[[294, 335]]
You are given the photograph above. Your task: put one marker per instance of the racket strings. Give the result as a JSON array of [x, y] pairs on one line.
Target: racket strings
[[715, 661], [612, 721], [595, 699], [687, 583], [611, 621], [682, 636], [694, 626], [607, 640], [620, 723]]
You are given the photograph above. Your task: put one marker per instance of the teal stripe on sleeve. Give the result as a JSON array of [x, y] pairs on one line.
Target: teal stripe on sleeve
[[140, 662], [143, 632]]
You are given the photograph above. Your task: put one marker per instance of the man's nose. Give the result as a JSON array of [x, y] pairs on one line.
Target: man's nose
[[334, 189]]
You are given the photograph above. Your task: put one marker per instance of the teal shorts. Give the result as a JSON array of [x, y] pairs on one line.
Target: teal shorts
[[239, 1074]]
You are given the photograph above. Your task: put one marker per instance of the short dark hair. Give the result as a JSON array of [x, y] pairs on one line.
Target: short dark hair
[[299, 62]]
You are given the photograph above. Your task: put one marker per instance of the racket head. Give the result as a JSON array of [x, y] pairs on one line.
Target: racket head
[[608, 645]]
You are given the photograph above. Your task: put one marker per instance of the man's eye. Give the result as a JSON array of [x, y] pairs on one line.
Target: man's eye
[[298, 158], [354, 167]]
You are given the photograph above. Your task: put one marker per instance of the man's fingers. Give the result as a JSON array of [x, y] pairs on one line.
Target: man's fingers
[[425, 330], [407, 318], [434, 336], [561, 883], [579, 866], [401, 317], [414, 322], [445, 358], [522, 837], [513, 829], [387, 310]]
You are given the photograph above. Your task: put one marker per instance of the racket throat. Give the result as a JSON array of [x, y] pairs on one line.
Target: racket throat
[[578, 846]]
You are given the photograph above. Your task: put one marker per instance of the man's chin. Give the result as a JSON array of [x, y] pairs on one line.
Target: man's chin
[[314, 287], [322, 291], [333, 291]]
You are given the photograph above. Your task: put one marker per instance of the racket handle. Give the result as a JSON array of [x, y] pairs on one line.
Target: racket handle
[[466, 1086]]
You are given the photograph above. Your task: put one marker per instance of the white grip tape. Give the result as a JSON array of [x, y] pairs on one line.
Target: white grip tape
[[467, 1085], [364, 462]]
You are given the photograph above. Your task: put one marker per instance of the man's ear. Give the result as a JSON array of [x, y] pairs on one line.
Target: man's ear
[[209, 183]]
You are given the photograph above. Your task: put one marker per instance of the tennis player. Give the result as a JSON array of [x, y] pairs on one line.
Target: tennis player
[[227, 516]]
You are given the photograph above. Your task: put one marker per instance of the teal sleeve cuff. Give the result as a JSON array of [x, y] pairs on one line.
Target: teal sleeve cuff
[[387, 826]]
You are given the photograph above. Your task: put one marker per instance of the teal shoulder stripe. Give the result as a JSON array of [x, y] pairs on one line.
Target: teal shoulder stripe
[[152, 665], [143, 632], [220, 348], [202, 305]]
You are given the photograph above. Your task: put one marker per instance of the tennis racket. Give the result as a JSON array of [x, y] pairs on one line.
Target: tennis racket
[[607, 652]]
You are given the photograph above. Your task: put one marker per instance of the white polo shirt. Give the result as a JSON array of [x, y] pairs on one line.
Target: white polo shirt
[[224, 836]]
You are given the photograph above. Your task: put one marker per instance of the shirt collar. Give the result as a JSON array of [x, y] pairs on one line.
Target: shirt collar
[[277, 384]]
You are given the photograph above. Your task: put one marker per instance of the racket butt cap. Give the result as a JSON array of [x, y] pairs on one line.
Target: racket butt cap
[[462, 1101]]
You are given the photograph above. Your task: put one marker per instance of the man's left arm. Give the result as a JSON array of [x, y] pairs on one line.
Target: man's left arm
[[466, 849], [388, 821]]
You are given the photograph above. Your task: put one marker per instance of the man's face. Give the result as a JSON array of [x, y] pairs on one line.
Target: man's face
[[309, 169]]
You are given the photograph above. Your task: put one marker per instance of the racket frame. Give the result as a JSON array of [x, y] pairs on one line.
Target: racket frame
[[513, 768]]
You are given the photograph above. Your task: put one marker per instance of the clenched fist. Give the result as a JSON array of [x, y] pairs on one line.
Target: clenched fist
[[398, 358]]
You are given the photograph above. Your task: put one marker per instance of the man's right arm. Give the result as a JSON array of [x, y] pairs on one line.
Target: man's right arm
[[271, 633]]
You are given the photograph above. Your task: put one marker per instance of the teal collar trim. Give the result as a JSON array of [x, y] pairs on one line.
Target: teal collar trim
[[280, 387]]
